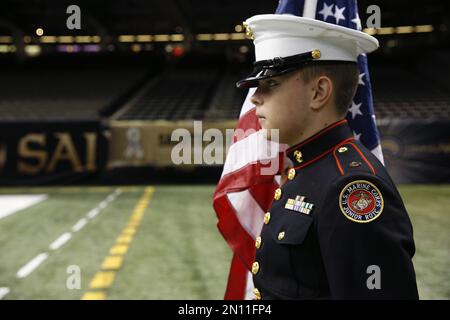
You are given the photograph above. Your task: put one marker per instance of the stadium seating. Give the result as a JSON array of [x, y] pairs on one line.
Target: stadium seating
[[176, 94], [402, 93], [59, 94], [191, 89]]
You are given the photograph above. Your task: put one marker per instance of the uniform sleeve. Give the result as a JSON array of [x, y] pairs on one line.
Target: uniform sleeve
[[366, 240]]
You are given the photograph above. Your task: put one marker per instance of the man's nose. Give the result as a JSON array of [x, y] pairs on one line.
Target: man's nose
[[256, 98]]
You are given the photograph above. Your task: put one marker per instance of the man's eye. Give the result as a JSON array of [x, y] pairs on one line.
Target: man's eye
[[271, 83]]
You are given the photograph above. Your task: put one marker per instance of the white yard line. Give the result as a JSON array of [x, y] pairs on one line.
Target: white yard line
[[31, 265], [58, 243], [79, 225], [103, 204], [91, 214], [3, 292], [28, 268]]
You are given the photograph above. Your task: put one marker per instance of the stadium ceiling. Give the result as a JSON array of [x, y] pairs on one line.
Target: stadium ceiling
[[116, 17]]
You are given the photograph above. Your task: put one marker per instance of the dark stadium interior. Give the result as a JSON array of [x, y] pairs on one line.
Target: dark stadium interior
[[107, 132], [137, 79]]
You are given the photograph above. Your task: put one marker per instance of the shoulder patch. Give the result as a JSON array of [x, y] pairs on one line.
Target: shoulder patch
[[361, 201]]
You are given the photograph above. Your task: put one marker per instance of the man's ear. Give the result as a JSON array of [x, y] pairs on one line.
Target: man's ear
[[322, 91]]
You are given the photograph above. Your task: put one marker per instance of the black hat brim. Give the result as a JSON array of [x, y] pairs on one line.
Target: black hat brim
[[258, 74]]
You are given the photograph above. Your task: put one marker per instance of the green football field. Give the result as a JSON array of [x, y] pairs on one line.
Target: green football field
[[160, 242]]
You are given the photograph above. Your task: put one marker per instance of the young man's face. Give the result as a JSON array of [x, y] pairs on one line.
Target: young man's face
[[283, 103]]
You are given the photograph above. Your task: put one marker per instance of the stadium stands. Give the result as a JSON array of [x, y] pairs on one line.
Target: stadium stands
[[402, 93], [227, 100], [61, 94], [190, 89], [176, 94]]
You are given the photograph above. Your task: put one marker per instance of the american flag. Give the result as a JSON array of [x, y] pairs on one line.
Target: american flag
[[243, 194]]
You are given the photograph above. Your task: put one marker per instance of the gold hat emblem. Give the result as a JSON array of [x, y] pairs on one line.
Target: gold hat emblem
[[248, 30], [315, 54]]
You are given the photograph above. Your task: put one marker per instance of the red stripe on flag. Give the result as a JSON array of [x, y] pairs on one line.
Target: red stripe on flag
[[242, 179], [242, 244], [237, 280], [261, 188], [247, 122], [263, 194]]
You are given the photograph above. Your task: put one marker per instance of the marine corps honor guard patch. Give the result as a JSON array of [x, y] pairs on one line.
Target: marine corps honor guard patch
[[361, 201]]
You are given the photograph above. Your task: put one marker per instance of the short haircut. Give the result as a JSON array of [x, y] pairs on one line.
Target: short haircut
[[343, 74]]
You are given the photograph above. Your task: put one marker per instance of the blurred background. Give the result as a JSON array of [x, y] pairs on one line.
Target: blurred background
[[88, 190]]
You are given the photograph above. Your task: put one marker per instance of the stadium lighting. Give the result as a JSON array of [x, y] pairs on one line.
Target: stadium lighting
[[83, 39], [238, 28], [65, 39], [386, 30], [168, 48], [136, 48], [5, 39], [177, 37], [144, 38], [243, 49], [404, 29], [5, 48], [178, 52], [424, 28], [39, 32], [399, 30], [161, 37], [32, 50], [126, 38], [221, 36], [204, 37], [48, 39], [238, 36]]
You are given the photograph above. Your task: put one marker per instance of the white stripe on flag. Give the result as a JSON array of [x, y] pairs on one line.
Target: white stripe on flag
[[309, 9], [248, 211], [247, 106], [249, 287], [251, 149], [378, 152]]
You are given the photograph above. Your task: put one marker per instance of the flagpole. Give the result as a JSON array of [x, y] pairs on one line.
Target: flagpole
[[309, 9]]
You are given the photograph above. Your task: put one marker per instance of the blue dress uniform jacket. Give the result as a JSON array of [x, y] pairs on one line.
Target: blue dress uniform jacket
[[337, 227]]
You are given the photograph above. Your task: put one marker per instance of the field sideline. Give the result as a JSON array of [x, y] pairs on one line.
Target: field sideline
[[161, 242]]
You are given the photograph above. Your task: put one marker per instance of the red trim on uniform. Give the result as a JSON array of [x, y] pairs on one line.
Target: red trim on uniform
[[362, 156], [337, 161], [314, 137], [323, 154]]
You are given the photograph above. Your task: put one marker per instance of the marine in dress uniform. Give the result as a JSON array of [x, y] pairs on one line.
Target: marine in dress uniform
[[337, 227]]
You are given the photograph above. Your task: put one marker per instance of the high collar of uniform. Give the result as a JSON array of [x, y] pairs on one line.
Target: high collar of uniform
[[320, 143]]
